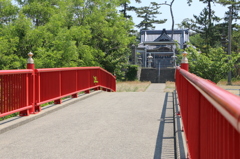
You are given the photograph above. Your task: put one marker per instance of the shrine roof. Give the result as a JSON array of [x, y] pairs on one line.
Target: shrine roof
[[163, 35]]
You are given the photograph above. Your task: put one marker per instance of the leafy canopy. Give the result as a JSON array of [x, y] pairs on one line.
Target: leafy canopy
[[65, 33], [148, 14], [214, 67]]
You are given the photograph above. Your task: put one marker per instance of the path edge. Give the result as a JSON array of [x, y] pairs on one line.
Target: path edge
[[15, 122]]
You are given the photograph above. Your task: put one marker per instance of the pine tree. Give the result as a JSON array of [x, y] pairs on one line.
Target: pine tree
[[233, 7], [125, 4], [203, 24], [148, 14]]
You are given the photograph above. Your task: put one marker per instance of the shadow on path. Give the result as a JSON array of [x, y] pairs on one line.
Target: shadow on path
[[170, 141], [165, 138]]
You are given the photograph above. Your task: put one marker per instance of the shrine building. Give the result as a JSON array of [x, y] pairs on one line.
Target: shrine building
[[160, 46]]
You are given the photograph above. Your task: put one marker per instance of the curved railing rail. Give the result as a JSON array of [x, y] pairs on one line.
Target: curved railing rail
[[211, 117], [25, 90]]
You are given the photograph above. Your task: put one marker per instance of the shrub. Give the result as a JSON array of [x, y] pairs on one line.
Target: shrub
[[131, 73]]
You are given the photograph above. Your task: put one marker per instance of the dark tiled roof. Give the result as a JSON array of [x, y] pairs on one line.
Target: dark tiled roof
[[164, 35], [159, 32]]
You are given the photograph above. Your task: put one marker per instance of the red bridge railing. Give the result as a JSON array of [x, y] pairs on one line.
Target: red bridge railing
[[15, 89], [210, 116], [25, 90]]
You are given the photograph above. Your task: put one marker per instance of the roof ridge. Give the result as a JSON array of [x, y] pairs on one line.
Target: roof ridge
[[164, 37]]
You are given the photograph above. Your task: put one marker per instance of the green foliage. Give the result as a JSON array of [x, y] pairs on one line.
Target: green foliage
[[235, 39], [38, 11], [8, 116], [125, 4], [131, 73], [214, 67], [214, 40], [228, 2], [148, 14], [205, 26], [8, 12], [208, 37], [65, 34]]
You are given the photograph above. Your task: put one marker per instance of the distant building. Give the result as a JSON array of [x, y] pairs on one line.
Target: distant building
[[160, 45]]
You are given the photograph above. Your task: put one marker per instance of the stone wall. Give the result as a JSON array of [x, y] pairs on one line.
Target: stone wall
[[156, 76]]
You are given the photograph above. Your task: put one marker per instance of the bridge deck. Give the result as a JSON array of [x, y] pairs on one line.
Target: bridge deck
[[107, 125]]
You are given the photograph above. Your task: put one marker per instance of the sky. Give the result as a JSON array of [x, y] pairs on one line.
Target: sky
[[181, 10]]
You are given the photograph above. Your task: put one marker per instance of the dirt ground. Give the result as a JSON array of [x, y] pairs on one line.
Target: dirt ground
[[234, 88], [137, 86], [132, 86]]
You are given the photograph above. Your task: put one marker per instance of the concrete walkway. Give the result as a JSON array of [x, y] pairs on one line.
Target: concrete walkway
[[120, 125]]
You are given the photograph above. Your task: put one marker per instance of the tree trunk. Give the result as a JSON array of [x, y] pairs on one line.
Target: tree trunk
[[172, 18]]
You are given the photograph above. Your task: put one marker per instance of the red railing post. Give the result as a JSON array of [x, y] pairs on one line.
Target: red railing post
[[25, 90], [114, 83], [60, 85], [184, 104], [30, 91], [184, 62]]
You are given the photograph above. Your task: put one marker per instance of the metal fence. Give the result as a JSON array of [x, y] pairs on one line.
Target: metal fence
[[210, 116], [25, 90], [15, 89]]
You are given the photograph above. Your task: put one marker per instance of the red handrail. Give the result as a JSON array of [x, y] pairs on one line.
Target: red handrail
[[67, 69], [225, 102], [21, 71], [25, 90], [211, 117]]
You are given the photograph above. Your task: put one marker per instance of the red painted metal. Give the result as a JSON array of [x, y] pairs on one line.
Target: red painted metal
[[74, 95], [14, 91], [60, 82], [25, 90], [211, 117], [185, 66], [21, 71], [30, 92], [58, 101]]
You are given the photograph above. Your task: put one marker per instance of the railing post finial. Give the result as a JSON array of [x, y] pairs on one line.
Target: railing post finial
[[184, 62], [30, 59], [184, 58]]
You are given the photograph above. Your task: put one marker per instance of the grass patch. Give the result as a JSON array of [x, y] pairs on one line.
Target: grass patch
[[132, 86], [224, 83], [9, 116], [137, 86], [234, 88], [170, 86]]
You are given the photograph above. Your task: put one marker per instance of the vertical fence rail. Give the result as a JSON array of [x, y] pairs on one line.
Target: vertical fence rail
[[25, 90], [14, 91], [210, 116], [60, 82]]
